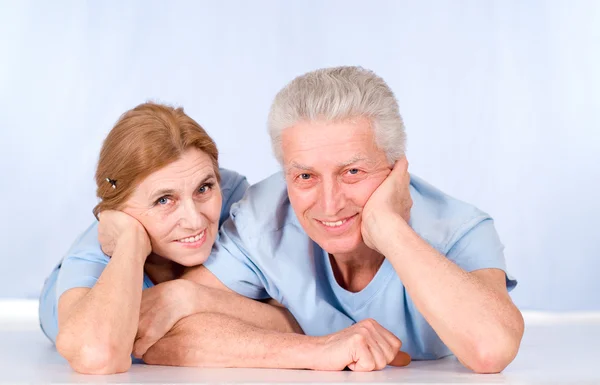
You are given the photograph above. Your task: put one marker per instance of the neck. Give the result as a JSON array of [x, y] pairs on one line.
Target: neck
[[354, 271], [161, 269]]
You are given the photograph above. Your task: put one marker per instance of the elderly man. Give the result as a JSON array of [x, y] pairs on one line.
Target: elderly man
[[357, 249]]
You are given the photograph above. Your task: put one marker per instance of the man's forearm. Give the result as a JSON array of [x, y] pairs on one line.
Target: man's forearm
[[476, 323], [217, 340], [255, 313]]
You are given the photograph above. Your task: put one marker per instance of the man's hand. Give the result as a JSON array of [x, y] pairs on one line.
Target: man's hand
[[363, 347], [162, 307], [116, 227], [391, 199]]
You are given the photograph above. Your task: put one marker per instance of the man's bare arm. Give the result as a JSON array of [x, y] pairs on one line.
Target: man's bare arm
[[471, 312], [216, 340]]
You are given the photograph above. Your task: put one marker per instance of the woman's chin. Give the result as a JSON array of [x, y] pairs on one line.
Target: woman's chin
[[190, 259]]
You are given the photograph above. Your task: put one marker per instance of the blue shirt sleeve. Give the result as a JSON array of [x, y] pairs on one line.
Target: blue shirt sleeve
[[81, 270], [480, 248], [230, 263], [233, 188]]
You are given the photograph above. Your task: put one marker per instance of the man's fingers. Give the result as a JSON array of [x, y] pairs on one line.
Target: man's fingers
[[400, 173], [390, 338], [385, 349], [402, 359], [401, 164], [378, 353], [364, 360]]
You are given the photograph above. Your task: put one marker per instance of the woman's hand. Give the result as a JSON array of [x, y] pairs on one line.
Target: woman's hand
[[162, 307], [116, 227]]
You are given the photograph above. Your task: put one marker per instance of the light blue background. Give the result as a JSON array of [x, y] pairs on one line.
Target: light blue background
[[501, 101]]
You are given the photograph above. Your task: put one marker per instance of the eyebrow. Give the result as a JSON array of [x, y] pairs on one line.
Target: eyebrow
[[356, 158], [163, 192], [298, 165]]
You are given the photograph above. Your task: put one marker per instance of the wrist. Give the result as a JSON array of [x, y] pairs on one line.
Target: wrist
[[133, 243], [307, 352], [399, 239], [385, 228]]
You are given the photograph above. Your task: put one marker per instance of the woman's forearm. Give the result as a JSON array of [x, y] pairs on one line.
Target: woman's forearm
[[97, 330]]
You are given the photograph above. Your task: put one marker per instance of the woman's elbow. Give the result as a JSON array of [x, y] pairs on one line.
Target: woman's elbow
[[94, 358]]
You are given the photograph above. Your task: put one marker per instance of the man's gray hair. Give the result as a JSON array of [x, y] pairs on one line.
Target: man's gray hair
[[339, 94]]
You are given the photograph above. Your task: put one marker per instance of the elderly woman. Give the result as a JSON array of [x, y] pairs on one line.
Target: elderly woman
[[162, 193]]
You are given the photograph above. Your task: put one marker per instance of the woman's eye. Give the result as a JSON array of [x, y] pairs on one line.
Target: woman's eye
[[204, 188], [162, 201]]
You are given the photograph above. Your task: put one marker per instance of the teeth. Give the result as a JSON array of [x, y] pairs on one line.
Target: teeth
[[192, 239], [334, 224]]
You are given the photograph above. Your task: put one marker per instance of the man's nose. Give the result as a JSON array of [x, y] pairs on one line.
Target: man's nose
[[332, 198]]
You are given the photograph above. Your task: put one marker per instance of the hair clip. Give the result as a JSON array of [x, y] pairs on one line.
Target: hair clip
[[112, 182]]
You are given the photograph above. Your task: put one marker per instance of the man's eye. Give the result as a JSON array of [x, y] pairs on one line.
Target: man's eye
[[305, 176], [353, 171]]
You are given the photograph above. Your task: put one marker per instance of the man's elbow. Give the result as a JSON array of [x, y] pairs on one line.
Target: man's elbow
[[492, 361], [92, 358], [494, 356]]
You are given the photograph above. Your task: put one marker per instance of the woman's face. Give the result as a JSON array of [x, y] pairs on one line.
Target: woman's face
[[179, 206]]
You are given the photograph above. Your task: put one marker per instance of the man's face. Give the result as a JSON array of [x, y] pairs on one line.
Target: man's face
[[331, 171]]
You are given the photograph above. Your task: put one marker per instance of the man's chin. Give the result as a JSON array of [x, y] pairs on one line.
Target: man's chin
[[339, 246], [347, 242]]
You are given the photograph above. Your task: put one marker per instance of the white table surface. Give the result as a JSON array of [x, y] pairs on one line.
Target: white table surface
[[556, 349]]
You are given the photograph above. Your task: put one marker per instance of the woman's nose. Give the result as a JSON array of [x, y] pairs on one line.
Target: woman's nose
[[190, 217]]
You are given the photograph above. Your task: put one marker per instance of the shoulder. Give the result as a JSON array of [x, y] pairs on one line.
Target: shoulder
[[83, 263], [439, 218], [233, 186], [266, 206], [87, 243], [87, 248], [231, 180]]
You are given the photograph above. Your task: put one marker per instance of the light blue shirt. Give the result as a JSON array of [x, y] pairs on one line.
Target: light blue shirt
[[262, 252], [85, 261]]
